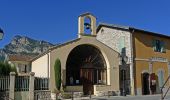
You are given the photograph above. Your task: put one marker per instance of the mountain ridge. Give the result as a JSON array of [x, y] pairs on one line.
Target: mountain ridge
[[25, 46]]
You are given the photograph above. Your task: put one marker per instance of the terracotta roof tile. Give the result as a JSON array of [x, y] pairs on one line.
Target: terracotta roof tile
[[17, 57]]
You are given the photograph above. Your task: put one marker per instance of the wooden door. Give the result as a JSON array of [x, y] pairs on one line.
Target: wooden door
[[87, 78]]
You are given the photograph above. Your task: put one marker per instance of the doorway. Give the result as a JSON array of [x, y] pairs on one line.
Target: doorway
[[145, 83], [86, 66], [87, 78]]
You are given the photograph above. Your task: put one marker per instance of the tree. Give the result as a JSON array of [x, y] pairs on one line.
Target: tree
[[57, 69], [6, 68]]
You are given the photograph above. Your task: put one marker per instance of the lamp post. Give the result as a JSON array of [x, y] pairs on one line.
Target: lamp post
[[124, 60], [1, 34]]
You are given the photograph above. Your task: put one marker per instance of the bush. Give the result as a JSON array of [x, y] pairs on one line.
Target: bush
[[57, 69]]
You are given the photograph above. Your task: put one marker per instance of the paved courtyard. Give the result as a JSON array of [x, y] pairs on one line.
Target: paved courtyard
[[149, 97]]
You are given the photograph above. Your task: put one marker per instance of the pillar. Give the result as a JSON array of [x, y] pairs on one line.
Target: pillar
[[31, 86], [12, 86]]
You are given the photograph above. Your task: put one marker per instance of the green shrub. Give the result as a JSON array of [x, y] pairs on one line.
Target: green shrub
[[57, 69]]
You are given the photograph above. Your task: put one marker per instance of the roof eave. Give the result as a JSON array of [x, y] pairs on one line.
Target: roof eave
[[131, 29], [112, 26]]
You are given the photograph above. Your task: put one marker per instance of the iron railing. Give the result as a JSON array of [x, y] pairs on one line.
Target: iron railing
[[4, 83], [41, 83], [162, 94], [22, 83]]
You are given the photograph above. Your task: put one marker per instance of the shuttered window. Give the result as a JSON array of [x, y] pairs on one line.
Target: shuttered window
[[159, 46]]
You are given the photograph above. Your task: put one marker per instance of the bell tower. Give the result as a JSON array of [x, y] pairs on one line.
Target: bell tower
[[90, 26]]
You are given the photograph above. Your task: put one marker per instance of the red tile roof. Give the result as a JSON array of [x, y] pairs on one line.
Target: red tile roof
[[17, 57]]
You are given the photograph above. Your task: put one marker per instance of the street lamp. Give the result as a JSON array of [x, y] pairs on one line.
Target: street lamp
[[1, 34], [124, 60]]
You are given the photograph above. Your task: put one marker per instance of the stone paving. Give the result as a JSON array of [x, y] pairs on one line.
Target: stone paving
[[148, 97]]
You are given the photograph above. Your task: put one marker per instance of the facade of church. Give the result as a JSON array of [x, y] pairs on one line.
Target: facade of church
[[87, 65], [91, 63]]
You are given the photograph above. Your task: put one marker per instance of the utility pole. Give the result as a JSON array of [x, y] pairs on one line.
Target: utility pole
[[124, 60]]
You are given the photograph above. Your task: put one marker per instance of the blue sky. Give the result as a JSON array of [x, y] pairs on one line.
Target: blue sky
[[56, 20]]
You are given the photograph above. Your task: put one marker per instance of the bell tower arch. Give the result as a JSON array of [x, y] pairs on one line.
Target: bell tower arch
[[82, 25]]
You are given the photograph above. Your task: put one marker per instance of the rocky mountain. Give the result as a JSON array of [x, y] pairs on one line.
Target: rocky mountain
[[25, 46]]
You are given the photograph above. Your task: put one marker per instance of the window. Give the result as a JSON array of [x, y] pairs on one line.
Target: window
[[23, 68], [159, 46], [20, 67]]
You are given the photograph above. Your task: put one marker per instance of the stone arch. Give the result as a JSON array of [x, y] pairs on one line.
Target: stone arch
[[86, 66], [145, 71]]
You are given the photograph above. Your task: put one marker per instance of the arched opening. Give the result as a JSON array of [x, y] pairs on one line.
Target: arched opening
[[87, 25], [86, 66], [153, 79], [160, 79], [145, 83]]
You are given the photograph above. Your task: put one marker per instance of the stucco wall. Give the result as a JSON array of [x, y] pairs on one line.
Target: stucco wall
[[144, 49], [40, 66], [143, 52]]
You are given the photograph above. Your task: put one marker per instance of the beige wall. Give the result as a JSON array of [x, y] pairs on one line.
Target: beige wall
[[143, 52], [109, 54], [40, 66]]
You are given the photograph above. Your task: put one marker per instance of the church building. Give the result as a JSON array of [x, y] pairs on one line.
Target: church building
[[114, 58], [87, 64]]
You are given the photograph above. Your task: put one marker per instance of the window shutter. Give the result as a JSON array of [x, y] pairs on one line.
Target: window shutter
[[163, 47], [154, 45], [161, 78], [19, 67], [121, 43]]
